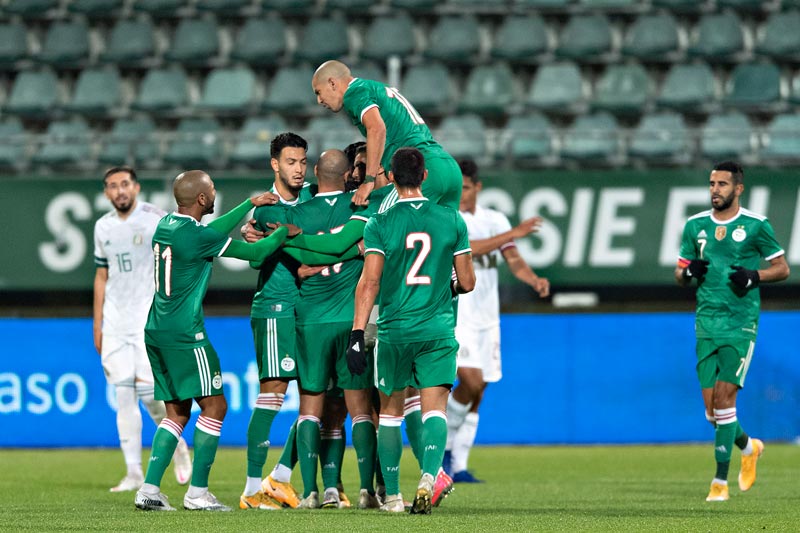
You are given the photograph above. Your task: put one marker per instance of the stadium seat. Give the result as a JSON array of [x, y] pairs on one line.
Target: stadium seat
[[554, 4], [30, 8], [782, 140], [252, 147], [392, 35], [754, 85], [369, 71], [688, 87], [527, 139], [718, 36], [222, 7], [557, 87], [356, 6], [794, 90], [260, 41], [12, 143], [661, 137], [66, 44], [329, 131], [414, 5], [229, 90], [454, 39], [196, 145], [726, 136], [96, 8], [592, 138], [682, 6], [653, 37], [163, 90], [282, 6], [622, 89], [131, 142], [97, 92], [13, 43], [195, 42], [608, 4], [429, 89], [159, 8], [779, 38], [67, 143], [585, 37], [323, 38], [490, 90], [521, 38], [34, 93], [463, 136], [742, 5], [290, 91], [132, 42]]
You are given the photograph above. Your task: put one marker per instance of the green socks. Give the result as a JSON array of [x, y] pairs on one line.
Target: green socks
[[308, 441], [413, 418], [331, 453], [724, 437], [365, 443], [390, 449], [206, 440], [267, 406], [164, 442], [434, 436]]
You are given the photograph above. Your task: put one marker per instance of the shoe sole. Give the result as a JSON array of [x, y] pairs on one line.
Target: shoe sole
[[422, 504], [445, 494]]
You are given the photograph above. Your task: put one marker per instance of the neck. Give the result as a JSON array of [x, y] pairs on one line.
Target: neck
[[408, 192], [285, 192], [322, 188], [195, 211], [124, 215], [470, 208], [727, 213]]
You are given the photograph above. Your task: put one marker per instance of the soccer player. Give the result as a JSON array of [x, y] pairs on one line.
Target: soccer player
[[722, 249], [388, 121], [123, 291], [185, 365], [410, 253], [491, 238]]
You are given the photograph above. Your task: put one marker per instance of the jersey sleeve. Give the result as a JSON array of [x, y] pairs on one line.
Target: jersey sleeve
[[100, 257], [210, 242], [766, 242], [462, 237], [373, 242], [357, 101], [688, 250]]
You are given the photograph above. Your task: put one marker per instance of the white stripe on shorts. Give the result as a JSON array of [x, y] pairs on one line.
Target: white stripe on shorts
[[202, 371]]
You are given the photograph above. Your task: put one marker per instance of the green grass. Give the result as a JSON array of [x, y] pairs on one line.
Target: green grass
[[625, 488]]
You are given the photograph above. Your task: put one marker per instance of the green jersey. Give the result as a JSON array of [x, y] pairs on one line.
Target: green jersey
[[418, 240], [328, 296], [723, 309], [277, 288], [183, 250], [378, 203]]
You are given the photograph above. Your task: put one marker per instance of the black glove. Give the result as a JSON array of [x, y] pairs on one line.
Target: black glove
[[356, 353], [697, 268], [743, 278]]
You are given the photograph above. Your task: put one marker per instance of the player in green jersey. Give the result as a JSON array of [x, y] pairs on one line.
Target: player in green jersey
[[410, 253], [388, 121], [722, 249], [185, 365]]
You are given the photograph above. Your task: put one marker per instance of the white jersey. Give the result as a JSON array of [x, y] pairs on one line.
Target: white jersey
[[480, 309], [125, 248]]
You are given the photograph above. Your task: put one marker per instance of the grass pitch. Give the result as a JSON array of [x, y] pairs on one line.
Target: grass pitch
[[621, 488]]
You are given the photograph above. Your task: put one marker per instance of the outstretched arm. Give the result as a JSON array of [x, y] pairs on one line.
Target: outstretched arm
[[523, 272], [526, 227], [257, 251], [331, 243], [376, 142], [227, 222], [310, 258]]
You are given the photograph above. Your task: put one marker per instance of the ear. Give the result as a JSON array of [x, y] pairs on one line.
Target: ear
[[274, 164], [425, 174]]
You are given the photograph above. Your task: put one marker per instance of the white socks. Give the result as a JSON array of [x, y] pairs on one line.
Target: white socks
[[463, 441], [129, 427]]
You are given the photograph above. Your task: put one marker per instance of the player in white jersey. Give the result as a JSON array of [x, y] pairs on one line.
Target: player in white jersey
[[491, 238], [123, 292]]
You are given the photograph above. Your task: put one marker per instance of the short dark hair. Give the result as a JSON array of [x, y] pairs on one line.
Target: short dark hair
[[469, 169], [120, 168], [352, 149], [284, 140], [408, 167], [736, 170]]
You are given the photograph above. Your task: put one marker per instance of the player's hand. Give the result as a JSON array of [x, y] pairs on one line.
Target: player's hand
[[304, 271], [357, 353], [294, 231], [361, 196], [526, 227], [265, 198], [697, 268], [542, 287], [744, 278], [250, 233]]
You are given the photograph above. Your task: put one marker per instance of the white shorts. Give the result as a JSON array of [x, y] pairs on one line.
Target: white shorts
[[125, 360], [480, 349]]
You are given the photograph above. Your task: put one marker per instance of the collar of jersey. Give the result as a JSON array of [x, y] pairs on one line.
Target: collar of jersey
[[330, 193], [181, 215], [417, 199], [715, 221]]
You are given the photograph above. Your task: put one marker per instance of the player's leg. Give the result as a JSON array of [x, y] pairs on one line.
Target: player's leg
[[332, 444], [206, 441], [412, 414], [463, 440], [444, 182], [278, 484]]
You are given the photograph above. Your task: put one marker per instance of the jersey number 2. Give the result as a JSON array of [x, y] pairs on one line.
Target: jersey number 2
[[166, 255], [411, 239]]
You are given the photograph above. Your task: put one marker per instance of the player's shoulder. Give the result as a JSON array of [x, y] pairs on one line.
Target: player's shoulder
[[700, 216], [151, 210], [746, 213]]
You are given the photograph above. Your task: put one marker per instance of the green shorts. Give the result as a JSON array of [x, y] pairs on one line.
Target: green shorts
[[418, 364], [319, 347], [276, 347], [723, 360], [444, 181], [185, 373]]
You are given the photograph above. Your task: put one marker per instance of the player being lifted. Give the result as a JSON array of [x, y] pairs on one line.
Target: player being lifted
[[722, 249]]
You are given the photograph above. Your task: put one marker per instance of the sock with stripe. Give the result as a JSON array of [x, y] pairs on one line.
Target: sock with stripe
[[266, 408], [456, 412], [463, 441], [308, 441], [331, 453], [390, 449], [413, 418], [724, 437], [206, 440], [164, 442], [434, 437], [365, 443]]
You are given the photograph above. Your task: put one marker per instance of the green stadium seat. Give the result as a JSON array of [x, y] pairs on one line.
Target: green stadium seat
[[229, 90], [782, 139], [392, 35], [726, 136], [689, 87], [283, 6], [527, 139], [592, 138], [222, 7], [652, 37], [463, 136], [414, 5], [622, 89], [252, 147], [260, 41], [30, 8], [541, 4], [67, 143], [355, 6], [323, 39], [96, 8], [429, 89], [585, 37], [787, 4], [163, 90], [197, 144], [12, 143], [34, 93], [454, 39], [66, 44], [132, 42], [608, 4], [682, 6], [290, 91], [329, 131], [97, 92], [661, 137], [131, 142], [718, 36], [368, 71], [159, 8], [195, 42], [521, 38], [490, 90], [754, 85], [557, 87], [742, 5], [13, 43], [779, 37]]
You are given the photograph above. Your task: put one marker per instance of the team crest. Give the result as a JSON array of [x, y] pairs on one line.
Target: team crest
[[287, 363], [217, 381], [138, 239], [739, 234], [720, 232]]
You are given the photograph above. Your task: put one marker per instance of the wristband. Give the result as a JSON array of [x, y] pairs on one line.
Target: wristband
[[369, 179]]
